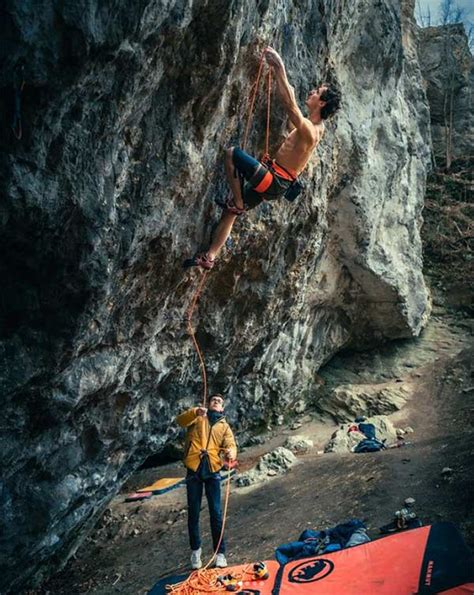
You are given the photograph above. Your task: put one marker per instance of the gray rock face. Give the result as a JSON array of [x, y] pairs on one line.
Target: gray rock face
[[346, 402], [448, 67], [125, 112]]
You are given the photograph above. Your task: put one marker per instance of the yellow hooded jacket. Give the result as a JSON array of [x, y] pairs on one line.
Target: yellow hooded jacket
[[200, 435]]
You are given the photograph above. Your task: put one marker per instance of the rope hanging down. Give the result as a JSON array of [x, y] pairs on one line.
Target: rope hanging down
[[205, 580], [192, 334], [269, 95], [202, 282]]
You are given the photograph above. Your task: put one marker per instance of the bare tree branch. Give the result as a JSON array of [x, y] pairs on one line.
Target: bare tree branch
[[445, 10]]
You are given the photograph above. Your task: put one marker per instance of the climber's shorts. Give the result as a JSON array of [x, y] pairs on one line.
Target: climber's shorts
[[261, 180]]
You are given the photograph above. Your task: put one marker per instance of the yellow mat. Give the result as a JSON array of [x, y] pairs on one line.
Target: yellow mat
[[163, 484]]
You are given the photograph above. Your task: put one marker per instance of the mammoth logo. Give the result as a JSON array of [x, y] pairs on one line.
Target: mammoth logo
[[310, 571]]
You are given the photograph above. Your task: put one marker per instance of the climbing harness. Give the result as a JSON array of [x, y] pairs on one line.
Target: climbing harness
[[18, 88]]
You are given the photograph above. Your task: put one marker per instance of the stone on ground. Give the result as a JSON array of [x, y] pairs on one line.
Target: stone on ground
[[344, 441], [273, 463], [298, 443]]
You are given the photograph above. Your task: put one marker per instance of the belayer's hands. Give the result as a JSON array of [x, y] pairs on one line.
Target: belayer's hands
[[201, 411], [273, 58]]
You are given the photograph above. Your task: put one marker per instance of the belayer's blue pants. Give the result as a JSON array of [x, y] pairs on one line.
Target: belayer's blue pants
[[194, 487]]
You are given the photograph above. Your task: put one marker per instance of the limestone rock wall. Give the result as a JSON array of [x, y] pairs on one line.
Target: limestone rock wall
[[126, 110], [448, 68]]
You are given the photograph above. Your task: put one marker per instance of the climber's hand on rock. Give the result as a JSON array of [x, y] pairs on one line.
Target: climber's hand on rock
[[274, 59]]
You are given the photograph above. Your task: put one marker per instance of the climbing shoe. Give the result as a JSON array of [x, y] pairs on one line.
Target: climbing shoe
[[221, 562], [196, 559], [199, 260], [229, 205]]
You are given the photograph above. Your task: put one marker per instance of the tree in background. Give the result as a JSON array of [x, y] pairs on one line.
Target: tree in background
[[450, 13]]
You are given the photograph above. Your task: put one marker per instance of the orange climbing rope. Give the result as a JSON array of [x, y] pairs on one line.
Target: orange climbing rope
[[269, 95], [206, 580], [251, 103], [200, 287], [192, 334]]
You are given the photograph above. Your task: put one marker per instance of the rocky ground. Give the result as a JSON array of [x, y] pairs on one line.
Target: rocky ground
[[137, 543]]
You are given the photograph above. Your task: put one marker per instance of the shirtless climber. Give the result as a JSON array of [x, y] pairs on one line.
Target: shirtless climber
[[272, 178]]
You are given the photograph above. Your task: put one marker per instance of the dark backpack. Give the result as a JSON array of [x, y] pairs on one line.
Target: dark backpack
[[368, 430], [369, 445]]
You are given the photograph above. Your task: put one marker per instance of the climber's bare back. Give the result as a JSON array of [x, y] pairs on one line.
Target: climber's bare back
[[297, 148]]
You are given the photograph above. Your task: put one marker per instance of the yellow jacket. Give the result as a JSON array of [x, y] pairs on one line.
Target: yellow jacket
[[200, 435]]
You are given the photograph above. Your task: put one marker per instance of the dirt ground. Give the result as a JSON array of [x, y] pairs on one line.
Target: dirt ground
[[135, 544]]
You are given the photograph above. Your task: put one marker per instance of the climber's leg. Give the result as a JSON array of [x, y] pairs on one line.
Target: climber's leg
[[239, 166], [233, 179], [221, 233]]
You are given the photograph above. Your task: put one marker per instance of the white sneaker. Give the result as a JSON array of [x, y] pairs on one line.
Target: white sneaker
[[196, 559], [221, 562]]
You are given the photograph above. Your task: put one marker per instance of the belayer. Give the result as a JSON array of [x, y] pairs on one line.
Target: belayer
[[208, 438], [270, 179]]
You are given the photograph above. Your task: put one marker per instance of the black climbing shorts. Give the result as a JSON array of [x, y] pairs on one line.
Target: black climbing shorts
[[261, 182]]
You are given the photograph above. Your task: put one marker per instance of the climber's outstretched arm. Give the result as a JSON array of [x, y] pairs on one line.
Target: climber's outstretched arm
[[287, 93]]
